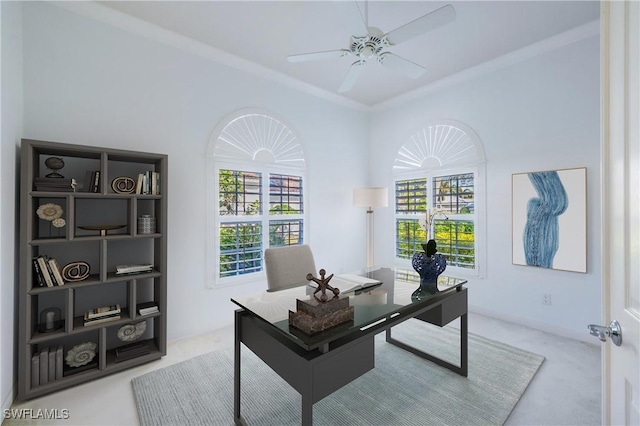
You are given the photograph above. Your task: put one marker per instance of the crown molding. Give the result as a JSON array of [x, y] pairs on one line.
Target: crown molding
[[131, 24], [566, 38]]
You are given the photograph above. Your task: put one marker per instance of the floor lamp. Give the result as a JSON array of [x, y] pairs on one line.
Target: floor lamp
[[370, 197]]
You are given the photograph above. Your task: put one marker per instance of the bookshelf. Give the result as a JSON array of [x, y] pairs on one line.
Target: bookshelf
[[90, 222]]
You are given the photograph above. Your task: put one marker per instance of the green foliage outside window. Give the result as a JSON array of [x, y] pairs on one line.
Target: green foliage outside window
[[456, 241]]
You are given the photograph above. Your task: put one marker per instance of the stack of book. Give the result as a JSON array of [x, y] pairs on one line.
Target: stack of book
[[102, 314], [132, 350], [134, 269], [46, 365], [54, 184], [148, 308], [148, 183], [47, 272], [91, 181]]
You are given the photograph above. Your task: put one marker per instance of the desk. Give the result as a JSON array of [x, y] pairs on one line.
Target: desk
[[318, 365]]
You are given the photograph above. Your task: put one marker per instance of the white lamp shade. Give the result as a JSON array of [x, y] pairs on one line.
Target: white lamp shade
[[370, 197]]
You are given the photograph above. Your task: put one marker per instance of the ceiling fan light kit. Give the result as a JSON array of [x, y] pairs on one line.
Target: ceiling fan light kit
[[375, 43]]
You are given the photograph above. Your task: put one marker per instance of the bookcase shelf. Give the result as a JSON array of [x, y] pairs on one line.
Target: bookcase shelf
[[93, 202]]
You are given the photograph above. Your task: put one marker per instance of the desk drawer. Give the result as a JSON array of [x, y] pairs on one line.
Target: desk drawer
[[453, 307]]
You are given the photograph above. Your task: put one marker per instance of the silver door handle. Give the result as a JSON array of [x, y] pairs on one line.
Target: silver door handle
[[614, 331]]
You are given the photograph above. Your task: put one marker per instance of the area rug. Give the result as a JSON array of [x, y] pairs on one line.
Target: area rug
[[402, 389]]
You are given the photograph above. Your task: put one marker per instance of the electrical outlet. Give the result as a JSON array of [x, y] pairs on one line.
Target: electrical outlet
[[546, 299]]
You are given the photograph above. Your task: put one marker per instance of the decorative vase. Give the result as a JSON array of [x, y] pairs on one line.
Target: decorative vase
[[429, 265]]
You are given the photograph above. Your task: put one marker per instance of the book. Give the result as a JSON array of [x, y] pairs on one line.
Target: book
[[128, 269], [55, 268], [38, 273], [102, 311], [157, 182], [59, 362], [44, 366], [154, 183], [45, 271], [54, 184], [139, 183], [147, 308], [132, 350], [88, 181], [35, 370], [96, 181], [52, 365], [348, 283], [50, 271], [102, 320]]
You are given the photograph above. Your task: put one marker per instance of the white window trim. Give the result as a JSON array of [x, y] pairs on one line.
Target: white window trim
[[216, 220], [450, 164], [213, 166], [477, 216]]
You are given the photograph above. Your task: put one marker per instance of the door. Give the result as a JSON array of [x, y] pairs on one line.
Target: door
[[620, 48]]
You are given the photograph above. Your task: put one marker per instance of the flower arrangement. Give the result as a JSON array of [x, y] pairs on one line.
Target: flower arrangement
[[427, 219]]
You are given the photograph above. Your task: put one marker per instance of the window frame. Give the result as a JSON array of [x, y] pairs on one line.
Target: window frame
[[264, 217], [477, 216]]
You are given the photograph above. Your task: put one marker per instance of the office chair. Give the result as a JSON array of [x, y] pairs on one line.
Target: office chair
[[288, 266]]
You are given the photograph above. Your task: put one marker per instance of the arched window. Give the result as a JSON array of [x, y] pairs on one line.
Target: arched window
[[257, 197], [439, 194]]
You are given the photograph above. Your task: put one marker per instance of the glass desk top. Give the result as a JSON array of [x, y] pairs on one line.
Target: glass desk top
[[370, 305]]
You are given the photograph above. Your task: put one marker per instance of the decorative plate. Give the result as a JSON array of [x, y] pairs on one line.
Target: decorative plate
[[81, 354], [131, 332]]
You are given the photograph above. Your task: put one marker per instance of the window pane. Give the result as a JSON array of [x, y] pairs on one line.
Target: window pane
[[240, 248], [409, 237], [454, 193], [411, 196], [285, 194], [240, 193], [456, 241], [285, 232]]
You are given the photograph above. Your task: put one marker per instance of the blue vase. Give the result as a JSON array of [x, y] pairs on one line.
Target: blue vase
[[429, 267]]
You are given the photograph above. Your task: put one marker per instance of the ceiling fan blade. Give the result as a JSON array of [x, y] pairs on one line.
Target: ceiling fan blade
[[428, 22], [351, 77], [353, 18], [303, 57], [401, 64]]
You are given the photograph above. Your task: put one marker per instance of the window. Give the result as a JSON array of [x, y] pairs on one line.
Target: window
[[258, 184], [438, 171], [453, 223]]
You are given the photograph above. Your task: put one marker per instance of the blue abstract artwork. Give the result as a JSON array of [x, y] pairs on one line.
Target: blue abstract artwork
[[549, 219]]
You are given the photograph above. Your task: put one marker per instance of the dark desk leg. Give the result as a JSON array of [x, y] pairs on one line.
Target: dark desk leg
[[307, 408], [461, 370], [464, 346], [236, 369]]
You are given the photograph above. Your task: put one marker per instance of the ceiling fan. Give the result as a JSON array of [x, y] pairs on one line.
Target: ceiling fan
[[373, 45]]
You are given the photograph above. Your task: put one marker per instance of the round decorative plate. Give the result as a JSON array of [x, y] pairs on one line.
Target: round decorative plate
[[81, 354], [131, 332]]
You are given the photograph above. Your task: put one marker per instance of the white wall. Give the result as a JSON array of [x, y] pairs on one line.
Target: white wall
[[540, 114], [89, 83], [11, 130]]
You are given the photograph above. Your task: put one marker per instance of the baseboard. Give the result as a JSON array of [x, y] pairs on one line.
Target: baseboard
[[8, 400], [536, 325]]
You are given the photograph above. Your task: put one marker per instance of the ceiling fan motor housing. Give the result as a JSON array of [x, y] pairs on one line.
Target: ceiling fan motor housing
[[370, 45]]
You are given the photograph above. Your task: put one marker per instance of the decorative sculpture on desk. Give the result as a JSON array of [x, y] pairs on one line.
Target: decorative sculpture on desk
[[323, 285], [317, 314], [429, 265]]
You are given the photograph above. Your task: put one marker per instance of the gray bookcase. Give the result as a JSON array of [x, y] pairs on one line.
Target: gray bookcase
[[101, 228]]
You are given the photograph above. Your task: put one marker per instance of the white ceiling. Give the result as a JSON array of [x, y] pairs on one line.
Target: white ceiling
[[266, 32]]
